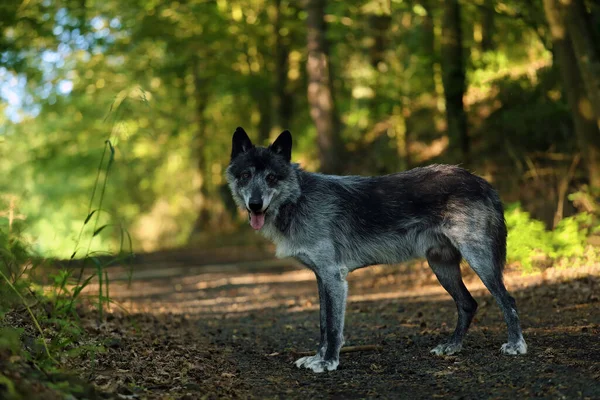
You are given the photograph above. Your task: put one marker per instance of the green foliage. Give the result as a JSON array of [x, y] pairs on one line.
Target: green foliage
[[531, 244], [13, 256], [10, 339], [528, 238], [569, 238], [10, 387], [165, 83], [172, 79], [532, 114], [55, 311]]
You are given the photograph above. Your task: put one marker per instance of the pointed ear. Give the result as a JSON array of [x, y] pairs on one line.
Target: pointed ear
[[283, 145], [240, 143]]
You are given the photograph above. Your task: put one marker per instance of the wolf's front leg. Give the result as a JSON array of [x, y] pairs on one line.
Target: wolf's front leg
[[333, 297], [306, 361]]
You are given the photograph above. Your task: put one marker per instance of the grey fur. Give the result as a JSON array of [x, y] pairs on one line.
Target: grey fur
[[336, 224]]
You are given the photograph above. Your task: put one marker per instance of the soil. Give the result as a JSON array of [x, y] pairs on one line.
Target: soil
[[234, 332]]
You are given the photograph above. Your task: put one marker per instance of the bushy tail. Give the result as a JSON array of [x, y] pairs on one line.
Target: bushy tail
[[499, 233]]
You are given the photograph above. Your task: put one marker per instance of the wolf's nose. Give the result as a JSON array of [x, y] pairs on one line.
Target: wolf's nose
[[255, 205]]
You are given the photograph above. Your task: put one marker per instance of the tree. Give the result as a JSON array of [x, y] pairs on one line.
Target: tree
[[320, 89], [428, 44], [587, 52], [487, 26], [586, 129], [282, 50], [453, 78]]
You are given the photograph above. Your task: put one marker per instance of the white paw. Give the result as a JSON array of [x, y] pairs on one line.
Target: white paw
[[514, 348], [323, 365], [317, 364], [447, 349], [306, 361]]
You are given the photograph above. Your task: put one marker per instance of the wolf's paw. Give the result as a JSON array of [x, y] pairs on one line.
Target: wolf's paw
[[446, 349], [513, 349], [306, 361], [323, 365]]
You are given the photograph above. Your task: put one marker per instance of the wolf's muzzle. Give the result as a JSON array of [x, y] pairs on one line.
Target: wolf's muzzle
[[255, 205]]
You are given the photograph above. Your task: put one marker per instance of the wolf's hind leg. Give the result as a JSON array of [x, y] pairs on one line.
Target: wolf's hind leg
[[445, 263], [489, 271]]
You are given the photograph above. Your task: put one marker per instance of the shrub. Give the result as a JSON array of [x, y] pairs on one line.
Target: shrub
[[529, 242]]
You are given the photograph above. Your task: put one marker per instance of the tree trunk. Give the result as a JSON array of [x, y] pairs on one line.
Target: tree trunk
[[595, 19], [428, 45], [586, 130], [264, 101], [201, 97], [586, 51], [487, 26], [379, 20], [285, 105], [320, 89], [453, 78]]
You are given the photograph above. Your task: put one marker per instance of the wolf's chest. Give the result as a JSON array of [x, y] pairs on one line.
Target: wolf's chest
[[311, 250], [287, 248], [284, 245]]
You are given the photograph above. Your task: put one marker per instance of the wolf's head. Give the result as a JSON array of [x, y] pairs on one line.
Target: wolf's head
[[261, 179]]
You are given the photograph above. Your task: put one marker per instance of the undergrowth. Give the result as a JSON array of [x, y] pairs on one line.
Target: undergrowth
[[40, 328], [533, 247]]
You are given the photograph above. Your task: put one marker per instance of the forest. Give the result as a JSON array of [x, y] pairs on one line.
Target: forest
[[116, 221]]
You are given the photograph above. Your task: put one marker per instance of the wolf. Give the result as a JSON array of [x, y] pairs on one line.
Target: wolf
[[336, 224]]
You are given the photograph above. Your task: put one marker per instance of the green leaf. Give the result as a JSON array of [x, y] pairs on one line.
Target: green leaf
[[89, 217], [97, 231]]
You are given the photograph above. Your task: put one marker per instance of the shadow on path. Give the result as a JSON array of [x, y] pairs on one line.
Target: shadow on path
[[242, 330]]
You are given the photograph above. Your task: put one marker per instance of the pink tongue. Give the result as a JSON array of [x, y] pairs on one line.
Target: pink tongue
[[257, 220]]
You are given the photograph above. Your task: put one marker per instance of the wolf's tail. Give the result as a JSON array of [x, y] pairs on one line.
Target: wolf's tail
[[499, 233]]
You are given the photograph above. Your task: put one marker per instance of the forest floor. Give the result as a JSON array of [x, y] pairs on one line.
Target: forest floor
[[234, 331]]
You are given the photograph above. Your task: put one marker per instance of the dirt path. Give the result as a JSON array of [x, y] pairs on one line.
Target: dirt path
[[225, 332]]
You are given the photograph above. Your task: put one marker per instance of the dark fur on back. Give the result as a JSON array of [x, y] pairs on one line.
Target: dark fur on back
[[416, 202]]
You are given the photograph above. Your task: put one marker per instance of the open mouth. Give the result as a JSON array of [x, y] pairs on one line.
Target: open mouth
[[257, 219]]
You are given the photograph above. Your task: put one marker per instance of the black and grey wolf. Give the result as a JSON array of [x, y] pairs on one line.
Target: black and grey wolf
[[336, 224]]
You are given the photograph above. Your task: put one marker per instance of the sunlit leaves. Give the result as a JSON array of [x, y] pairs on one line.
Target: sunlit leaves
[[167, 81]]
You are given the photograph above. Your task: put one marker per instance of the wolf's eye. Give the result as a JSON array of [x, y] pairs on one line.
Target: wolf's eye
[[271, 179], [245, 175]]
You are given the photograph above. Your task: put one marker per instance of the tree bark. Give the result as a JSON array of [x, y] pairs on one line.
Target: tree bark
[[453, 78], [285, 100], [320, 89], [586, 51], [487, 26], [201, 97], [264, 100], [428, 45], [379, 19], [595, 19], [586, 129]]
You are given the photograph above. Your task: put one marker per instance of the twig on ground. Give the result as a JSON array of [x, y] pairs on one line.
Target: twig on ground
[[349, 349]]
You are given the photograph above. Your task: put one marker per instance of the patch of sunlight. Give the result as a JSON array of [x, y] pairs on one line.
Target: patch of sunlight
[[419, 10], [585, 108], [363, 92], [255, 117], [421, 151], [155, 83], [236, 12], [293, 276]]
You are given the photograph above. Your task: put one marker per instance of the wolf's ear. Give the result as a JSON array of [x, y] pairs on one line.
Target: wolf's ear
[[283, 145], [240, 143]]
